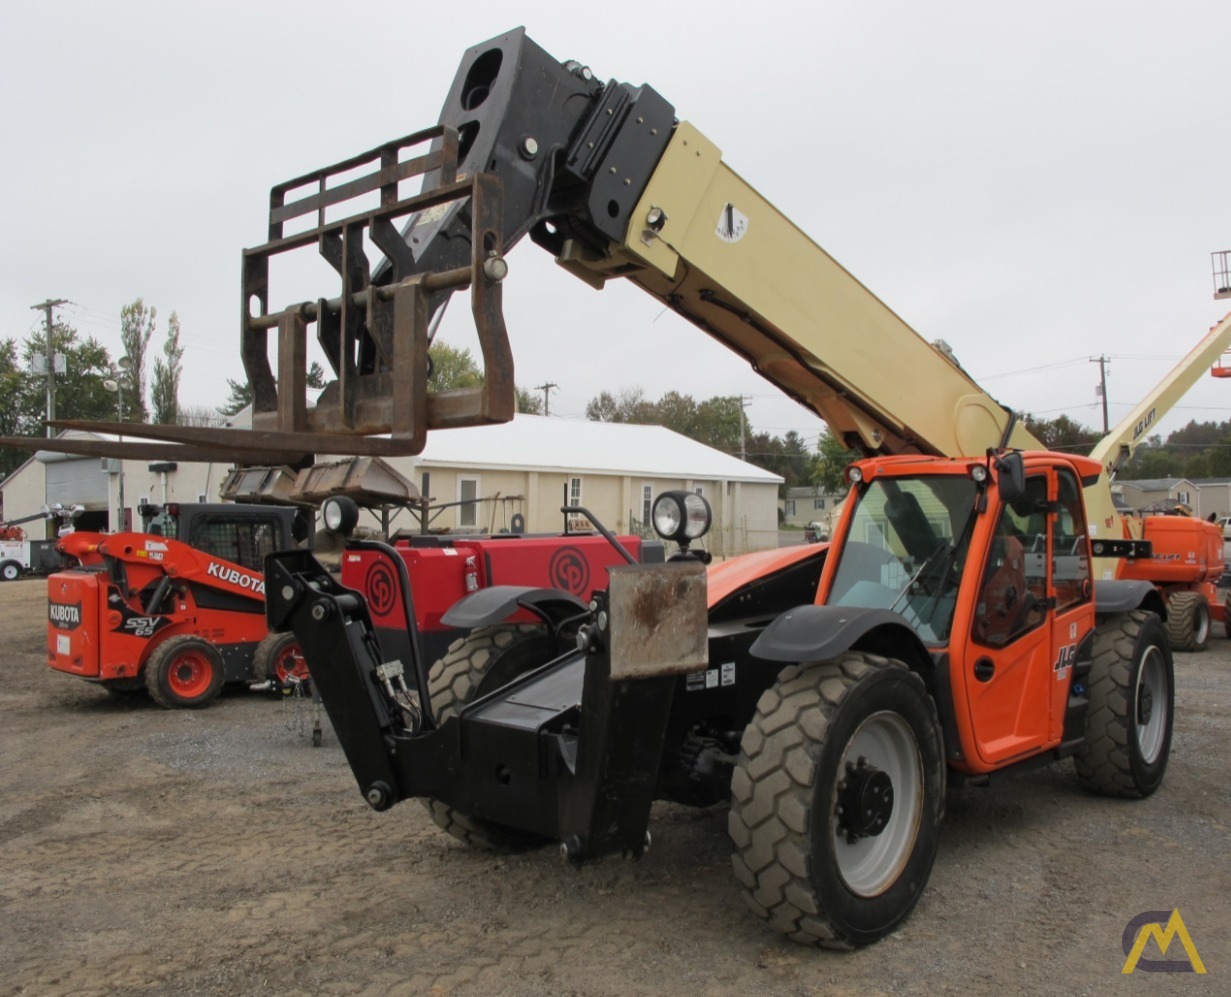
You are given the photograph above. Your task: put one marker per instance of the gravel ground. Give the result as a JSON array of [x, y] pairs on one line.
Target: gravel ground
[[145, 851]]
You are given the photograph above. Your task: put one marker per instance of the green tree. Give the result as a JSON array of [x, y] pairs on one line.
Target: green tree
[[241, 391], [452, 368], [1062, 433], [829, 468], [11, 385], [529, 403], [1219, 465], [714, 422], [136, 329], [164, 392], [23, 394]]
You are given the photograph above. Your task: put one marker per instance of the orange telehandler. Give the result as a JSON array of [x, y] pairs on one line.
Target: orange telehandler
[[965, 620]]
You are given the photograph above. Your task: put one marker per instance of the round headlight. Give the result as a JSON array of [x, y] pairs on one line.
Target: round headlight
[[978, 473], [681, 516], [340, 514], [854, 475]]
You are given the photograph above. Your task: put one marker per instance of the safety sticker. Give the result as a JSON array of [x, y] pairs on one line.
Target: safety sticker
[[728, 673]]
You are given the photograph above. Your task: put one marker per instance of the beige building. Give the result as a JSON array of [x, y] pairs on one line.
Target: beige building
[[491, 478], [517, 475]]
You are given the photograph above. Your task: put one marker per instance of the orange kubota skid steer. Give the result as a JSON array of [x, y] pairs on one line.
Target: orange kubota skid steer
[[179, 615]]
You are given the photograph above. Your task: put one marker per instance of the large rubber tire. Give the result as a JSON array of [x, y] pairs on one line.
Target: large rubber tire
[[279, 660], [485, 660], [1128, 721], [1188, 621], [184, 672], [798, 775], [10, 571]]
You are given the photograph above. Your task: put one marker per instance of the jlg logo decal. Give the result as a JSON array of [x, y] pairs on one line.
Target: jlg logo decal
[[234, 576], [1066, 658]]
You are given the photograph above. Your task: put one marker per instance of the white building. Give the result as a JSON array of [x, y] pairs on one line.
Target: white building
[[518, 469]]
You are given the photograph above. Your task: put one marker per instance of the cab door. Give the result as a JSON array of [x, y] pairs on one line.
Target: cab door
[[1007, 662], [1071, 590]]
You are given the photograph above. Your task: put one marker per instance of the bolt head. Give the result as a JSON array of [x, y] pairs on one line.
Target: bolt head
[[529, 147]]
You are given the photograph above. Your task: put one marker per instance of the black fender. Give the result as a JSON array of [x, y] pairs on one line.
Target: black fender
[[1125, 595], [819, 633], [498, 602]]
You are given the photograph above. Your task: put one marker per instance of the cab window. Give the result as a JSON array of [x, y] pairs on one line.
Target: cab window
[[1013, 594], [1070, 545], [244, 541]]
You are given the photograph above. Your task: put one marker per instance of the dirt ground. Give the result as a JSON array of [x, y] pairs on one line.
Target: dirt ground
[[218, 852]]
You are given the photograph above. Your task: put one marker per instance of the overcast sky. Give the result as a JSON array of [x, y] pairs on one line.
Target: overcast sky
[[1035, 183]]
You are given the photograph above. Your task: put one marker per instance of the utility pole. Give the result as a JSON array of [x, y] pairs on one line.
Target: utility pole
[[1102, 387], [546, 389], [49, 362], [743, 450]]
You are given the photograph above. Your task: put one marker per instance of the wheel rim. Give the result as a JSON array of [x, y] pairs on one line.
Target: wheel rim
[[289, 665], [872, 849], [190, 674], [1201, 623], [10, 573], [1150, 705]]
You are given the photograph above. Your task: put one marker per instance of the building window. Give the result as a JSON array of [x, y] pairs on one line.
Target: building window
[[788, 509], [818, 503], [574, 491], [468, 494], [647, 503], [1183, 497]]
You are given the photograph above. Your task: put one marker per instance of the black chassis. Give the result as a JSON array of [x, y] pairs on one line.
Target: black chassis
[[576, 749]]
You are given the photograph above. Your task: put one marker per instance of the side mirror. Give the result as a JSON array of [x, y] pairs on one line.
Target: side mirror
[[1011, 476]]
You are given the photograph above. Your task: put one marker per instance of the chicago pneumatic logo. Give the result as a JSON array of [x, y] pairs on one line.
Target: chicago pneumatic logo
[[382, 589], [570, 571], [65, 616]]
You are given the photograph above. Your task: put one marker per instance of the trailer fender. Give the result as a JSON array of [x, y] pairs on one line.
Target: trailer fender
[[820, 633], [1124, 595], [498, 602]]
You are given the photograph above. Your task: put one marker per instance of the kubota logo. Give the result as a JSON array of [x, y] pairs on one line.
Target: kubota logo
[[63, 615], [1148, 925], [234, 576]]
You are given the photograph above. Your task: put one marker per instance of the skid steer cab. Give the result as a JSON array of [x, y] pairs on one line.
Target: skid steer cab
[[177, 612]]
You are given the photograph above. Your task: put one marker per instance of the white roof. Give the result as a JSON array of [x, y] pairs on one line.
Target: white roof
[[579, 445]]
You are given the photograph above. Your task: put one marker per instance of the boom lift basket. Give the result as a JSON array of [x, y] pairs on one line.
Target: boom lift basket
[[1221, 264]]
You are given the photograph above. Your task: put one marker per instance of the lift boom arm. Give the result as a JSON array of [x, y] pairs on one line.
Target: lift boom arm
[[605, 178]]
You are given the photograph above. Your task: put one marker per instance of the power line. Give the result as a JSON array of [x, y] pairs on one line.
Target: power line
[[48, 307], [546, 389]]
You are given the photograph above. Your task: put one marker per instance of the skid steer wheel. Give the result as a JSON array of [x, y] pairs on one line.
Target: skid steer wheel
[[837, 800], [487, 659], [279, 660], [184, 671], [10, 571], [1188, 621], [1128, 721]]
